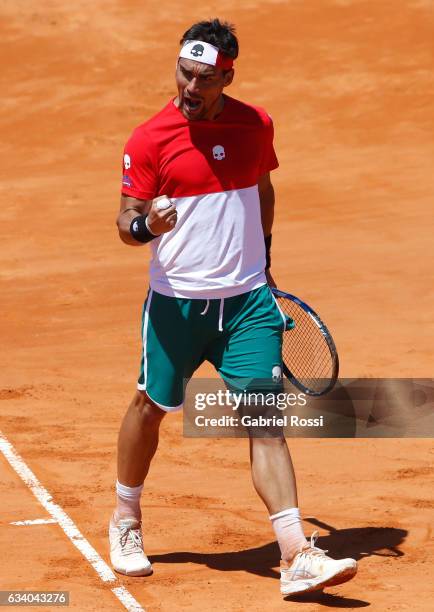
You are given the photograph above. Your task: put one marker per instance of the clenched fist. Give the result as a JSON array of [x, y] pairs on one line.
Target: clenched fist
[[162, 215]]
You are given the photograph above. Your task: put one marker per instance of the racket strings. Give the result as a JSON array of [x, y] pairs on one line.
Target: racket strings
[[305, 351]]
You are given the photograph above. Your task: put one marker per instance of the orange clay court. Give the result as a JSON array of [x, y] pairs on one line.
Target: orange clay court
[[349, 85]]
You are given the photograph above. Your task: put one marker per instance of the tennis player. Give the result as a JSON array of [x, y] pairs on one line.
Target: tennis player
[[196, 186]]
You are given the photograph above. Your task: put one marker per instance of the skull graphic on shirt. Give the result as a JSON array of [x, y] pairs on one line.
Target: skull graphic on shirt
[[218, 152]]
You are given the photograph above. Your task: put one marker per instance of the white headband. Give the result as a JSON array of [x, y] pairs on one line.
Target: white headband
[[205, 53]]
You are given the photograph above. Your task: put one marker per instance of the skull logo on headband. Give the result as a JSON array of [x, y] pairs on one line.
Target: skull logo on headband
[[206, 53], [197, 50]]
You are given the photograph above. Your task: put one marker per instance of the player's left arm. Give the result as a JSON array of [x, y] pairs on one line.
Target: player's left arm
[[267, 199]]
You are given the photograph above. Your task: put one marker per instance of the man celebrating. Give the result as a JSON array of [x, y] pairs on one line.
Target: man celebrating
[[196, 185]]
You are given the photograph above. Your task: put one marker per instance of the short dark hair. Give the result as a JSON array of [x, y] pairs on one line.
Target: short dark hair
[[218, 33]]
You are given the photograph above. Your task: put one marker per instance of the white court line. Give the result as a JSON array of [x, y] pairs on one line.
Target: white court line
[[34, 522], [127, 599], [66, 523]]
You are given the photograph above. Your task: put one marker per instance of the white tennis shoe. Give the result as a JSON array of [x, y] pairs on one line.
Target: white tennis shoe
[[126, 548], [312, 570]]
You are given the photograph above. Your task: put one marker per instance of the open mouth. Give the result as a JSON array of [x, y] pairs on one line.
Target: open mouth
[[192, 105]]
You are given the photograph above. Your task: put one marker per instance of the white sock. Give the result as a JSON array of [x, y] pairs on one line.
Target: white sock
[[128, 499], [288, 528]]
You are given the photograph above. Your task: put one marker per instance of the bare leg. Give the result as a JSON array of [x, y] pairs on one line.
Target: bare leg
[[273, 474], [137, 442]]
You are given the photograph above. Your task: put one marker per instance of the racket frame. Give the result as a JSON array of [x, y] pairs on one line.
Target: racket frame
[[328, 338]]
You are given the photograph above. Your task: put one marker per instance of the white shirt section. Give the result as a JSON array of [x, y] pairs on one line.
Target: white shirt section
[[216, 249]]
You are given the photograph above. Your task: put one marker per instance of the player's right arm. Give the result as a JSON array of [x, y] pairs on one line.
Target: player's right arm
[[129, 209], [159, 220], [139, 185]]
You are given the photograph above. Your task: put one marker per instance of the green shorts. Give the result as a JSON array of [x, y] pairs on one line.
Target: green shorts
[[241, 336]]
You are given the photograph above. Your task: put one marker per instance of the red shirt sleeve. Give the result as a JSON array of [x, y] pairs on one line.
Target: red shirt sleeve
[[140, 166], [269, 160]]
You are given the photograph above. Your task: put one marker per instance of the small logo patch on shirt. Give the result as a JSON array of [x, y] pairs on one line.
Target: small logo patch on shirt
[[127, 181], [218, 152]]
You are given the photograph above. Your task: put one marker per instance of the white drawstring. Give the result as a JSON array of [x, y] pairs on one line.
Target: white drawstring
[[205, 310], [221, 314]]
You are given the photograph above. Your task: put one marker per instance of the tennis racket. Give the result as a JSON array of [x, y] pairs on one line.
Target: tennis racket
[[309, 356]]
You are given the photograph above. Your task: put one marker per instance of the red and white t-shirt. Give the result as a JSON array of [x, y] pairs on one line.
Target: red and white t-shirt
[[210, 170]]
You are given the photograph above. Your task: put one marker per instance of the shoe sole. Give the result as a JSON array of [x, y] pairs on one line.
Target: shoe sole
[[142, 572], [343, 576]]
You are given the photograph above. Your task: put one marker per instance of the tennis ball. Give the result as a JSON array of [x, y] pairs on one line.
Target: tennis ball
[[162, 202]]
